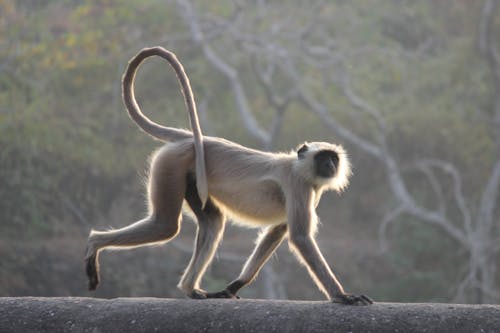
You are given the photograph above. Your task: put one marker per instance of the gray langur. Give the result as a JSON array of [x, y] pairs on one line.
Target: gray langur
[[215, 178]]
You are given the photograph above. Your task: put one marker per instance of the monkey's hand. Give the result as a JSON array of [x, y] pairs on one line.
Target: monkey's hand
[[223, 294], [350, 299]]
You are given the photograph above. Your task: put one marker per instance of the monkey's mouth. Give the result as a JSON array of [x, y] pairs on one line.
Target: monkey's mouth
[[327, 171]]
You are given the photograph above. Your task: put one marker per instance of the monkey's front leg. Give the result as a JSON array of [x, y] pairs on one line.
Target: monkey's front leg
[[322, 274], [301, 219], [267, 243]]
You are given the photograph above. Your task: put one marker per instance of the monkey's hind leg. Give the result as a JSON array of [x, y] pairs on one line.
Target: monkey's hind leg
[[210, 229], [166, 193], [148, 231]]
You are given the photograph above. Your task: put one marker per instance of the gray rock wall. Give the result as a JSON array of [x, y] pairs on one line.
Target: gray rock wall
[[29, 314]]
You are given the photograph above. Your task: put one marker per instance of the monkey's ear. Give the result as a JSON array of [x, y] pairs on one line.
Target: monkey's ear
[[302, 150]]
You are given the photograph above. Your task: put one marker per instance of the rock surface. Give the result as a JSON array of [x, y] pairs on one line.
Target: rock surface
[[32, 314]]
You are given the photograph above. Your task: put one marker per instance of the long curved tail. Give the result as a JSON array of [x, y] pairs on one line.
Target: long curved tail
[[163, 132]]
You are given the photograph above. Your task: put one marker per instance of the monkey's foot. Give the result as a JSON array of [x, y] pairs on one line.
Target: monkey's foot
[[350, 299], [198, 294], [223, 294], [92, 273], [202, 294]]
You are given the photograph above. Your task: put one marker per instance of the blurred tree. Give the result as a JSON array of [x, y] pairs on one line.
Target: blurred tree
[[320, 60], [410, 87]]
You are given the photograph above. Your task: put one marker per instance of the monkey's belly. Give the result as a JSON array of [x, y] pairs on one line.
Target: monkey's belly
[[261, 203]]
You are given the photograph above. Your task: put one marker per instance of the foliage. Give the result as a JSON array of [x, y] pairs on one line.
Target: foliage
[[69, 152]]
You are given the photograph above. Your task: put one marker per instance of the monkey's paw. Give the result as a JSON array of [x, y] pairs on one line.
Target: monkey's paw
[[198, 294], [223, 294], [350, 299]]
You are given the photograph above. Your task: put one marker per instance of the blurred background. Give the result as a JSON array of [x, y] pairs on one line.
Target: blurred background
[[410, 88]]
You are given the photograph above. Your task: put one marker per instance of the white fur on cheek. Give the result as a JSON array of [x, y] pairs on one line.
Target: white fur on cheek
[[341, 179]]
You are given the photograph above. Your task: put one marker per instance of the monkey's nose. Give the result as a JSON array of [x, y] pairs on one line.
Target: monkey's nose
[[330, 164]]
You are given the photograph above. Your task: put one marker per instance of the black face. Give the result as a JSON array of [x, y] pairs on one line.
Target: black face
[[326, 162]]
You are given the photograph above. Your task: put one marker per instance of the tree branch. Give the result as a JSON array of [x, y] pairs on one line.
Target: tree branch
[[457, 188], [489, 197], [487, 44], [321, 111], [279, 103], [488, 47], [389, 217], [231, 74], [363, 106]]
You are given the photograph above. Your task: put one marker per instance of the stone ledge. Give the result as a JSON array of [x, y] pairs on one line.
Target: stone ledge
[[67, 314]]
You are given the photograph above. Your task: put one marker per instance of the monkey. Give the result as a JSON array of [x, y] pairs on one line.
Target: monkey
[[214, 179]]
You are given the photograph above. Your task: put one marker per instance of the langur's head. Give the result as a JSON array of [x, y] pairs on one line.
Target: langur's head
[[323, 164]]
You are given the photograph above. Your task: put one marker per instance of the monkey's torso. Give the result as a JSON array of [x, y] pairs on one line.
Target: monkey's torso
[[245, 207], [247, 186], [249, 196]]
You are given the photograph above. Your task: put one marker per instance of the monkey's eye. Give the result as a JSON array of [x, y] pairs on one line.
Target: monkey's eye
[[302, 150]]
